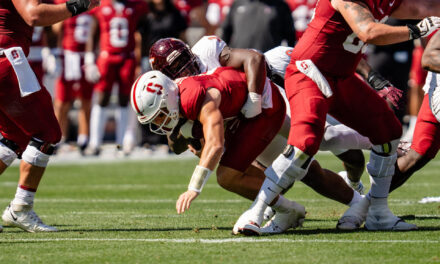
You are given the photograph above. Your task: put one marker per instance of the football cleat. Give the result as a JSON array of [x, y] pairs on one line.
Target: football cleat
[[24, 217], [357, 186], [282, 221], [268, 213], [355, 216], [245, 226], [380, 217]]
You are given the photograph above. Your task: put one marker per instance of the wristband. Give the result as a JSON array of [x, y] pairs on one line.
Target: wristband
[[199, 178], [414, 32], [77, 7]]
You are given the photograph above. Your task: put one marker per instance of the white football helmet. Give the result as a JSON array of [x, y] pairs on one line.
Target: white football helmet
[[155, 99]]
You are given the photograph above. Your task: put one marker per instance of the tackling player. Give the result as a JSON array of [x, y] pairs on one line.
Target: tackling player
[[320, 79], [28, 125], [212, 104]]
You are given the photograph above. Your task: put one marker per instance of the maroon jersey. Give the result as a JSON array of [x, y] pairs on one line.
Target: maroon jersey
[[329, 41], [13, 30], [117, 24], [231, 84]]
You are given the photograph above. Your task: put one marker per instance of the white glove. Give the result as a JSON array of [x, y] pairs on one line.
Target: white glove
[[425, 27], [252, 107], [51, 61], [91, 71]]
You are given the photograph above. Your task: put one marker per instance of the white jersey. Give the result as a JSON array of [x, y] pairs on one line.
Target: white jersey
[[278, 59], [432, 87], [208, 50]]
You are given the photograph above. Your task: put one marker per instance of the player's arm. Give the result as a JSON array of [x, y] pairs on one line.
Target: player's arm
[[91, 70], [384, 88], [213, 131], [362, 22], [431, 55], [35, 13], [253, 64]]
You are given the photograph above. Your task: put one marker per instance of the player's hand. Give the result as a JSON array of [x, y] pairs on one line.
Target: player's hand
[[428, 25], [184, 201], [91, 71], [51, 62], [392, 95], [252, 107], [197, 152]]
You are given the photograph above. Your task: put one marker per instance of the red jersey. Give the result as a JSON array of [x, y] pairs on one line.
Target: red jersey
[[302, 13], [117, 24], [13, 30], [230, 82], [329, 41], [185, 7]]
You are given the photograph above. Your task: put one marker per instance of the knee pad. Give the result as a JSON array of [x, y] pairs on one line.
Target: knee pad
[[382, 159], [9, 151], [37, 153], [292, 165]]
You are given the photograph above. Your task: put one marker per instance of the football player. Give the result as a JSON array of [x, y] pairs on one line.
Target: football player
[[211, 104], [28, 125], [117, 21], [75, 81], [426, 140], [321, 79]]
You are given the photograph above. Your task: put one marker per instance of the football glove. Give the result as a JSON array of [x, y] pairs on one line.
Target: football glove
[[385, 89], [424, 28]]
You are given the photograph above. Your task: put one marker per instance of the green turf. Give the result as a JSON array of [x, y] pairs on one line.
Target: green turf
[[118, 213]]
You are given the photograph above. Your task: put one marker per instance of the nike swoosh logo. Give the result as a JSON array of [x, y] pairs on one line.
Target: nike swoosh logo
[[13, 216], [392, 3], [270, 189]]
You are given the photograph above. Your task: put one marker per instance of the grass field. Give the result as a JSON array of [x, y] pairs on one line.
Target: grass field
[[124, 212]]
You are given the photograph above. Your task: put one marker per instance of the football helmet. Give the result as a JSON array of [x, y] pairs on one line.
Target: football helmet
[[174, 58], [155, 99]]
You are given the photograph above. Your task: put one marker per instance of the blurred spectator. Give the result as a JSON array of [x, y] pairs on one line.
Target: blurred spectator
[[302, 13], [258, 24], [163, 21], [394, 62]]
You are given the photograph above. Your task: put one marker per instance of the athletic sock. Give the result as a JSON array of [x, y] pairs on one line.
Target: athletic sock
[[24, 195], [121, 123], [98, 119], [282, 204], [356, 198]]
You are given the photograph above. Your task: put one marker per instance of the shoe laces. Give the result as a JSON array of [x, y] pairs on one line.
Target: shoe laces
[[35, 217]]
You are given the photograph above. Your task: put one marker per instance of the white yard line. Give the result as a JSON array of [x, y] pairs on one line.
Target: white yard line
[[221, 240]]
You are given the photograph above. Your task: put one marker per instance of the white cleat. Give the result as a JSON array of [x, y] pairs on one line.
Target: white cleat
[[355, 216], [282, 221], [357, 186], [24, 217], [268, 213], [380, 217], [246, 227]]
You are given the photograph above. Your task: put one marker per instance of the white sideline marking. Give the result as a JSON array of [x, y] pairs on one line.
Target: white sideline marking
[[221, 241]]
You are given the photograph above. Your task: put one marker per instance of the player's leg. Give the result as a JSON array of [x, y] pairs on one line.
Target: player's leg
[[425, 145], [125, 127], [85, 97], [63, 103], [363, 110], [98, 117], [307, 128], [34, 116]]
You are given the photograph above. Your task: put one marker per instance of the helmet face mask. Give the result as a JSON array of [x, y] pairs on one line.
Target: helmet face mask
[[154, 97], [174, 58]]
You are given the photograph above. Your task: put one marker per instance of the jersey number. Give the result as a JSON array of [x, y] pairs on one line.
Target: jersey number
[[119, 32], [353, 44], [82, 28]]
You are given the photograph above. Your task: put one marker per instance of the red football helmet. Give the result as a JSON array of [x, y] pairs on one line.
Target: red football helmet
[[173, 58]]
